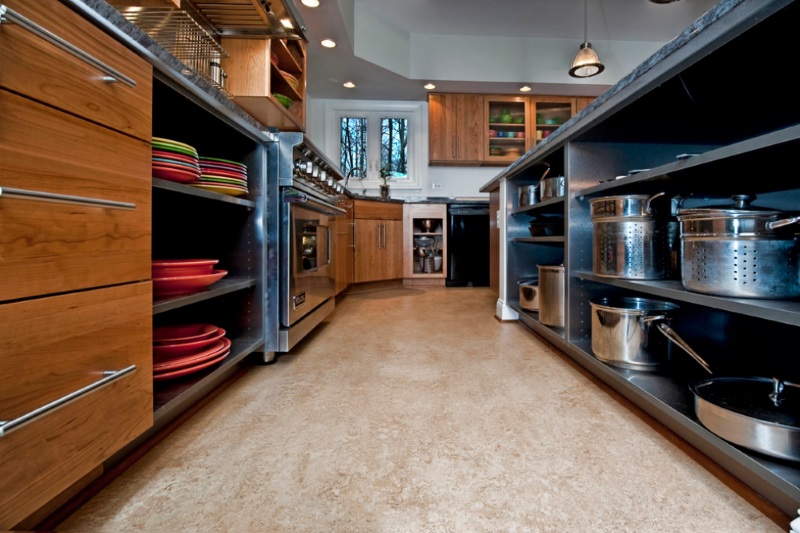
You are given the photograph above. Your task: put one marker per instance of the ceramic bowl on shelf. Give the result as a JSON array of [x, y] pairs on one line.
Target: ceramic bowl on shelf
[[167, 268], [284, 100], [423, 241], [182, 285]]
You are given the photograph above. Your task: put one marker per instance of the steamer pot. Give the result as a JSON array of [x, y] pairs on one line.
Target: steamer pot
[[551, 188], [630, 240], [740, 251]]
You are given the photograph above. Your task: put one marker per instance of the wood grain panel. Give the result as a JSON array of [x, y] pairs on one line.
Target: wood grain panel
[[248, 66], [31, 66], [49, 247], [57, 345], [377, 210]]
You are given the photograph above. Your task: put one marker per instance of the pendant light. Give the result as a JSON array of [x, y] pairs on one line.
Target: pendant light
[[586, 62]]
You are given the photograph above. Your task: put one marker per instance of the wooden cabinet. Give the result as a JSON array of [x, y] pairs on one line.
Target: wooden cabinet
[[378, 241], [456, 129], [343, 228], [509, 128], [75, 295], [424, 244], [549, 113], [260, 69], [582, 101]]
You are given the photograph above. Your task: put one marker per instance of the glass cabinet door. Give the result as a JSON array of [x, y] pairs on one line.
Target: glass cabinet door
[[549, 113], [508, 128]]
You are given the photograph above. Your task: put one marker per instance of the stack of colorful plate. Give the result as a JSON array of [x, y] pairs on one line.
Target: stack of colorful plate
[[175, 161], [175, 277], [182, 349], [222, 176]]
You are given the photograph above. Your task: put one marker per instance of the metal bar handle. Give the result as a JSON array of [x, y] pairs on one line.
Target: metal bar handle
[[6, 426], [63, 198], [112, 75]]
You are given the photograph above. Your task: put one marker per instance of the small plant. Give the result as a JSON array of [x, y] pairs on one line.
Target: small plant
[[386, 173]]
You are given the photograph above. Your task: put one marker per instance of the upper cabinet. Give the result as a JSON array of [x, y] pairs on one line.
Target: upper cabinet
[[267, 78], [480, 130], [456, 129]]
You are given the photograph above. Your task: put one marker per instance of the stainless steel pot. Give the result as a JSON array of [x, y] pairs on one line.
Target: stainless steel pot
[[623, 332], [761, 414], [630, 240], [529, 294], [740, 251], [527, 194], [551, 188], [551, 295]]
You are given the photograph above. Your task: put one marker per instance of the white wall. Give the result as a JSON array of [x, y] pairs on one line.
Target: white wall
[[454, 181]]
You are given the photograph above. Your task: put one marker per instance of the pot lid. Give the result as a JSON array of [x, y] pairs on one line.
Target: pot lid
[[739, 209], [752, 397]]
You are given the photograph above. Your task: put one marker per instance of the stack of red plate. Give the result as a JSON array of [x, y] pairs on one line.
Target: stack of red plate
[[175, 161], [174, 277], [222, 176], [182, 349]]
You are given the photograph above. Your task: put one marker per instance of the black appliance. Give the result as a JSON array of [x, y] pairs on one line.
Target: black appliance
[[467, 244]]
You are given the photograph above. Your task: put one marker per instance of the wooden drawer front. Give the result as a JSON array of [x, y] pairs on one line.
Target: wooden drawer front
[[378, 210], [32, 66], [48, 247], [52, 347]]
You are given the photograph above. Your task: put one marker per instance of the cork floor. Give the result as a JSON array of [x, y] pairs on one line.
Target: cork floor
[[414, 410]]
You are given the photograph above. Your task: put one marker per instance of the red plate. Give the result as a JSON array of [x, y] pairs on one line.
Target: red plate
[[223, 166], [190, 370], [170, 268], [176, 156], [166, 350], [173, 286], [192, 359], [174, 174], [176, 166], [185, 165], [180, 333]]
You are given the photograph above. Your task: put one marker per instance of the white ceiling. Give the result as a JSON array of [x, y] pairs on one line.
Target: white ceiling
[[539, 32]]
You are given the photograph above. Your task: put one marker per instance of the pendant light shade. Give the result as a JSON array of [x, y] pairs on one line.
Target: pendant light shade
[[586, 62]]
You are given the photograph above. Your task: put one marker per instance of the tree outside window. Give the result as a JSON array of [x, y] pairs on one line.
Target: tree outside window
[[358, 139]]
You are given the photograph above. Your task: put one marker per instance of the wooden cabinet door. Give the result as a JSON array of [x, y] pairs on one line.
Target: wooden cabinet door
[[455, 128], [342, 228], [379, 250]]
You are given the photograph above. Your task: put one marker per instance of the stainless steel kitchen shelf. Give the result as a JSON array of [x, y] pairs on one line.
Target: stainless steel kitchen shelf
[[542, 240], [220, 288], [200, 193]]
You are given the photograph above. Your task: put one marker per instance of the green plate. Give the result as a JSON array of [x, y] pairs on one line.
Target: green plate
[[173, 148]]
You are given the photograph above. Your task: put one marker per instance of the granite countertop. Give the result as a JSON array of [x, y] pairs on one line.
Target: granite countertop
[[427, 200]]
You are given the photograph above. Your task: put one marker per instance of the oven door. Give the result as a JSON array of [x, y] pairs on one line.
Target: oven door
[[307, 274]]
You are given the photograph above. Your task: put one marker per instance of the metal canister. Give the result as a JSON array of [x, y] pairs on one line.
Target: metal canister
[[551, 295]]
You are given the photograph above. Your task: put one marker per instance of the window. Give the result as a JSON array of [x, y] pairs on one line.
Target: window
[[373, 137]]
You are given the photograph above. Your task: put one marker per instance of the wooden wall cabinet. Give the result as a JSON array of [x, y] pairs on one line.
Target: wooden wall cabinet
[[75, 290], [378, 241], [258, 69], [419, 270], [456, 129]]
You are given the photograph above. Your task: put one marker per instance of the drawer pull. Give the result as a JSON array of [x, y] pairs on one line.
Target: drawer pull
[[7, 426], [8, 15], [63, 198]]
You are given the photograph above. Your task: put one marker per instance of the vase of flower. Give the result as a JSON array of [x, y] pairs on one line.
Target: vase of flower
[[386, 175], [385, 191]]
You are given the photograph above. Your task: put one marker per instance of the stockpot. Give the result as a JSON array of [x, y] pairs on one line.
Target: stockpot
[[551, 295], [740, 251], [529, 294], [551, 188], [632, 240]]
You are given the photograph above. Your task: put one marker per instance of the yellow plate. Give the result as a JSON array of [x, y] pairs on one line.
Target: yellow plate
[[176, 143], [232, 191]]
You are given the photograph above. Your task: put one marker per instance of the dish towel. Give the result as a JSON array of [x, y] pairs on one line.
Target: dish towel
[[795, 524]]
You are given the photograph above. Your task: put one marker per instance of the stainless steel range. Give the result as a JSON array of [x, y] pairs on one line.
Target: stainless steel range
[[297, 215]]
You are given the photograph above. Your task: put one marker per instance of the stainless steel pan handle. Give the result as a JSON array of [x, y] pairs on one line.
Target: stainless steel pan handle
[[674, 337]]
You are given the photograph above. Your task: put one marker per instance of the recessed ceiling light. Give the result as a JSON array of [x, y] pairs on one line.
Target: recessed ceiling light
[[429, 86], [328, 43], [524, 88], [287, 23], [349, 84], [310, 3]]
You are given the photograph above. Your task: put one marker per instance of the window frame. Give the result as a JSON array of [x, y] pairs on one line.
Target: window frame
[[376, 111]]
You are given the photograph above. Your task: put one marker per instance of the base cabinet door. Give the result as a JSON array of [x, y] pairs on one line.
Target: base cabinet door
[[61, 349], [379, 250]]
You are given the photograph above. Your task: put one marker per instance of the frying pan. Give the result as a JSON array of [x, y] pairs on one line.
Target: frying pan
[[758, 413]]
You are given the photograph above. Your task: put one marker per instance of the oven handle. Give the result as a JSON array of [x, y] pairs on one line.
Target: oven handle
[[293, 196]]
